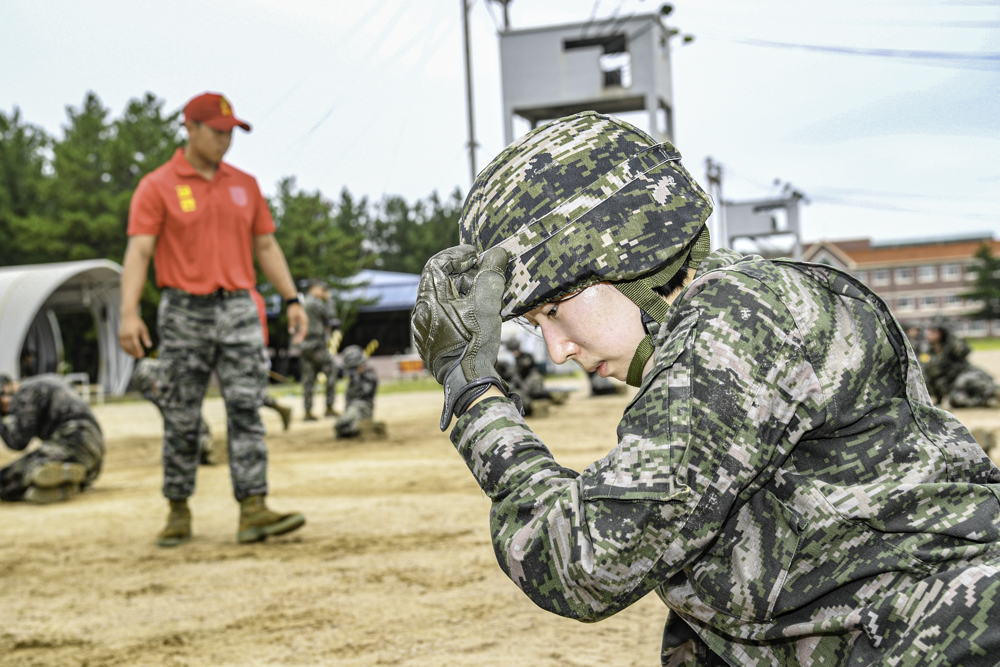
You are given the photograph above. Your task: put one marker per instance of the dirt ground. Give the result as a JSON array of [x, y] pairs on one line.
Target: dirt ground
[[394, 566]]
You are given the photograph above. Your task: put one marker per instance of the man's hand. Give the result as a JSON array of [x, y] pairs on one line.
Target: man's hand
[[298, 322], [133, 335], [456, 323]]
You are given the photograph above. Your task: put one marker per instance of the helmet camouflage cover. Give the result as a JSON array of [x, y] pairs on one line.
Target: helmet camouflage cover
[[582, 200], [354, 356]]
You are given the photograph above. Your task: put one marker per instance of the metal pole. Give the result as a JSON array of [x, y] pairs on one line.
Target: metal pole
[[468, 94], [717, 223]]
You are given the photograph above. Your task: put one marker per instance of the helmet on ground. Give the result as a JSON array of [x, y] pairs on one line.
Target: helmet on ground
[[354, 356], [587, 199]]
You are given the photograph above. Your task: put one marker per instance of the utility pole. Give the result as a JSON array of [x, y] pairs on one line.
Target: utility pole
[[468, 95], [717, 223], [506, 13]]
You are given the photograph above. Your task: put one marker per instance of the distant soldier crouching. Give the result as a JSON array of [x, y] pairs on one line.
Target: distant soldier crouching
[[357, 417], [949, 373], [72, 448]]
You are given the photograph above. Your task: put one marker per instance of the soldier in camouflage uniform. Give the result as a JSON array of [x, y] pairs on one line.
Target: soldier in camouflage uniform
[[781, 478], [950, 374], [72, 448], [314, 355], [147, 380], [360, 394]]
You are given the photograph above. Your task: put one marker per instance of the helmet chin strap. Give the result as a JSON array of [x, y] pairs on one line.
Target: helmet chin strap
[[641, 293]]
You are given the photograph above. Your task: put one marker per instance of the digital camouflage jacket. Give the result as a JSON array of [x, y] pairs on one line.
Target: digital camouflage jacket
[[781, 480], [41, 406], [362, 386]]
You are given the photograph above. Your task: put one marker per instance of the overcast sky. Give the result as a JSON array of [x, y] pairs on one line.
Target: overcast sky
[[370, 95]]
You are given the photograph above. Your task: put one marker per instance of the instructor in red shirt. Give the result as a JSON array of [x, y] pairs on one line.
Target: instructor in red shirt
[[203, 220]]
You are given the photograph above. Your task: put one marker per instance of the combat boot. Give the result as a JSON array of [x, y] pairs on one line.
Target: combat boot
[[55, 473], [310, 417], [257, 522], [286, 416], [330, 412], [178, 530], [54, 482]]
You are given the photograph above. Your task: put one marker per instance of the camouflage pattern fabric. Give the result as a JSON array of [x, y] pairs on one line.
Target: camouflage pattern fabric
[[314, 355], [199, 334], [781, 480], [590, 189], [973, 388], [45, 407], [147, 380], [360, 403]]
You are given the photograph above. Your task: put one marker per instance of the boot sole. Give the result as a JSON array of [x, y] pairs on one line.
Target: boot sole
[[52, 474], [39, 495], [172, 541], [259, 533]]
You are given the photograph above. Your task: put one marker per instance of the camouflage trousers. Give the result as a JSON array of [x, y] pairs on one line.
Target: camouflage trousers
[[73, 442], [348, 424], [972, 389], [199, 334], [315, 358]]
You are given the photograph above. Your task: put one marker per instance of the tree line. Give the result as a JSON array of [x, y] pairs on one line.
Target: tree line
[[67, 198]]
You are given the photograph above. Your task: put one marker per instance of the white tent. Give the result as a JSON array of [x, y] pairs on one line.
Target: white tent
[[30, 297]]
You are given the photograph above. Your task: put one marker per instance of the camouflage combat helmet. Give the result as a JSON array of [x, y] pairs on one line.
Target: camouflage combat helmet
[[354, 356], [583, 200], [5, 380]]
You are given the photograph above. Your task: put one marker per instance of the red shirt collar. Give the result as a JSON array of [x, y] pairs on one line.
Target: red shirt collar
[[182, 167]]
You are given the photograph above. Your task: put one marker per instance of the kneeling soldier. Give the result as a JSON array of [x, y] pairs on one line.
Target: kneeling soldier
[[72, 448], [360, 394]]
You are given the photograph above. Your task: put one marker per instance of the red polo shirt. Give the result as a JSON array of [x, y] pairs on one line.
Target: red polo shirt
[[204, 229]]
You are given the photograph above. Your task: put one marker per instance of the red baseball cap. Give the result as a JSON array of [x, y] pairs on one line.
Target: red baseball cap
[[213, 110]]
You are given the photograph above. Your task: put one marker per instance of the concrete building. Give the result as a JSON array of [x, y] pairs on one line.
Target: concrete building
[[919, 279], [609, 66]]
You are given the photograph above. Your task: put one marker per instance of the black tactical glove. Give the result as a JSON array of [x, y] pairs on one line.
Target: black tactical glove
[[456, 324]]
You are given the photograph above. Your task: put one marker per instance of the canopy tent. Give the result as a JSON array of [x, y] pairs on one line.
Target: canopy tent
[[32, 295]]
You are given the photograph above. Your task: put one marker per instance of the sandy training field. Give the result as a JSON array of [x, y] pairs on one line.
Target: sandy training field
[[394, 566]]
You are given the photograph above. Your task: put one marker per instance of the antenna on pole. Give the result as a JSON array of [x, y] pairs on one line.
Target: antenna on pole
[[468, 94]]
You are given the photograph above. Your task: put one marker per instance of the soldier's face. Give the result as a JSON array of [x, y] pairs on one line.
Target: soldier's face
[[933, 336], [5, 398], [598, 328]]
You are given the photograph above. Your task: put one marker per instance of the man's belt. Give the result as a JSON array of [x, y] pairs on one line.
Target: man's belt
[[218, 294]]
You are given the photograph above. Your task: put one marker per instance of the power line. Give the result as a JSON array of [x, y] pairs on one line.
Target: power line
[[954, 57]]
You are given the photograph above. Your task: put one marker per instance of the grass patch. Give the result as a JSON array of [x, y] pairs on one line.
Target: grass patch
[[983, 344]]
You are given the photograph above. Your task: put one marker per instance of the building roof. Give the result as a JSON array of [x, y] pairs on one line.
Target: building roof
[[864, 253], [390, 290], [91, 285]]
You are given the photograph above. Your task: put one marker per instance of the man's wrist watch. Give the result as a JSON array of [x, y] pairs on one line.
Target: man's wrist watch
[[298, 298]]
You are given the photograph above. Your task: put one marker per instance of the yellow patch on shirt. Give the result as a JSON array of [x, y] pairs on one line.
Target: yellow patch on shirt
[[186, 198]]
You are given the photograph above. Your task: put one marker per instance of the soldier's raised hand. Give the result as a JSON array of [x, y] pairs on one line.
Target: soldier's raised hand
[[456, 323]]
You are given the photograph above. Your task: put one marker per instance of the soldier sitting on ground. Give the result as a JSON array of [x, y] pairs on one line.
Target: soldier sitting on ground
[[528, 383], [357, 417], [314, 353], [949, 373], [603, 386], [72, 448]]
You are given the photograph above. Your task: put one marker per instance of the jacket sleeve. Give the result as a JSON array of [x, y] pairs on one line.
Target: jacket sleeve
[[21, 425], [729, 389]]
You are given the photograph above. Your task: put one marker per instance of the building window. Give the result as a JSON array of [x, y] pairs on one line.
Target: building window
[[880, 277], [978, 328], [928, 302], [862, 276], [904, 303], [927, 274], [951, 272], [904, 276], [952, 301]]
